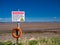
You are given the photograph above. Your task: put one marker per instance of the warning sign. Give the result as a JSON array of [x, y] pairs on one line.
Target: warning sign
[[18, 16]]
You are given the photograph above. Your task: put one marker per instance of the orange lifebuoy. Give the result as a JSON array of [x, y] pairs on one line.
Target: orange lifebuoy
[[20, 33]]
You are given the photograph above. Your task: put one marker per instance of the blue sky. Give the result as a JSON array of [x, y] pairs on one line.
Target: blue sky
[[35, 10]]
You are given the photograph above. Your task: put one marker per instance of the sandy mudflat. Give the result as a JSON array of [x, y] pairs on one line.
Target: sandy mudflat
[[38, 29], [31, 26]]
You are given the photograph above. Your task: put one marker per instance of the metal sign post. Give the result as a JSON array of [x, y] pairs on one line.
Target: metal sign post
[[18, 26], [17, 34]]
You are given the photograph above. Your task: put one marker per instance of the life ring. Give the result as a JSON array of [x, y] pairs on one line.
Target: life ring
[[20, 33]]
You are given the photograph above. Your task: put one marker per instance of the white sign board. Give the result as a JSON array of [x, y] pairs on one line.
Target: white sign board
[[18, 16]]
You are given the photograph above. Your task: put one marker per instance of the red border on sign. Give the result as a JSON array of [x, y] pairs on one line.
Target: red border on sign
[[17, 12]]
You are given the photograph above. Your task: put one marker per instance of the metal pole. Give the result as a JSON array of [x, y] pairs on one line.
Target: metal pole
[[17, 34], [17, 31]]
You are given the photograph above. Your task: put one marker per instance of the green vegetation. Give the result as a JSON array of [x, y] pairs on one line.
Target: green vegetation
[[50, 41], [42, 41], [8, 43], [33, 42], [1, 43], [21, 43]]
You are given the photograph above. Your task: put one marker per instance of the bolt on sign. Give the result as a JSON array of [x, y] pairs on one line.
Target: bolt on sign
[[18, 16]]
